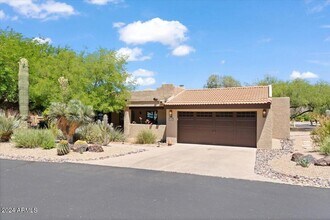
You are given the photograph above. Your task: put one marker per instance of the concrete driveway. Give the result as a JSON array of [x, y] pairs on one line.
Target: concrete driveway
[[208, 160]]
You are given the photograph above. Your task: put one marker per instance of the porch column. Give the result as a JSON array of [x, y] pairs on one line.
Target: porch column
[[127, 121]]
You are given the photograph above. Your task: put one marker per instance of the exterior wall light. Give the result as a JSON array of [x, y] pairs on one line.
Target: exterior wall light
[[171, 113], [264, 113]]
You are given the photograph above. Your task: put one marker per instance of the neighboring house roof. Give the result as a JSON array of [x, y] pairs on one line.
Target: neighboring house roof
[[154, 97], [223, 96]]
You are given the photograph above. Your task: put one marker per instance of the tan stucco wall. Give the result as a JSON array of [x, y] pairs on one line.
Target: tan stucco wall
[[264, 130], [264, 125], [158, 130], [281, 117]]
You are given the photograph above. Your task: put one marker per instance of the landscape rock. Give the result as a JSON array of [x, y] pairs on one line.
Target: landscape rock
[[79, 146], [321, 162], [95, 148], [327, 158], [325, 161], [296, 157]]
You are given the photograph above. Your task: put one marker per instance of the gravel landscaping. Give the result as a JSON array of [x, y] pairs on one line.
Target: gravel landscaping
[[9, 151], [277, 164]]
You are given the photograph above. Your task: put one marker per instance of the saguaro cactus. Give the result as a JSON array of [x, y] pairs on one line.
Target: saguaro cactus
[[23, 88]]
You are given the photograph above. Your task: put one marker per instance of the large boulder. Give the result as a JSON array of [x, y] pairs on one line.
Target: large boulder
[[296, 156], [79, 146], [325, 161], [95, 148]]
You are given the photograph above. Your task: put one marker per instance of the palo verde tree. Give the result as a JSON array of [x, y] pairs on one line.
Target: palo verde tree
[[97, 79], [216, 81], [304, 96]]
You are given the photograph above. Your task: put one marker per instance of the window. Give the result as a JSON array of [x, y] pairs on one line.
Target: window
[[152, 116], [225, 114], [186, 114], [204, 114], [246, 114]]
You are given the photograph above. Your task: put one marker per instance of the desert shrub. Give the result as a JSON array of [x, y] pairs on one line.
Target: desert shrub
[[90, 133], [322, 132], [325, 146], [146, 137], [99, 133], [304, 117], [32, 138], [57, 133], [117, 135], [7, 126]]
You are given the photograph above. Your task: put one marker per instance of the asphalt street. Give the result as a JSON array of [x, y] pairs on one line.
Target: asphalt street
[[36, 190]]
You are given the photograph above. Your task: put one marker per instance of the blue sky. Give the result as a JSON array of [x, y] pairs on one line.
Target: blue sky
[[184, 41]]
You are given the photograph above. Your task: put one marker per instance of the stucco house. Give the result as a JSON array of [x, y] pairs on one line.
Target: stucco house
[[237, 116]]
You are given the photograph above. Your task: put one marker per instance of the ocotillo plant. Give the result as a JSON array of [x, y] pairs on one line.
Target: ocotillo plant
[[23, 89]]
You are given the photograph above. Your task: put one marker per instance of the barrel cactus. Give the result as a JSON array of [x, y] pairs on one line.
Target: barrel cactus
[[23, 90], [63, 148], [80, 146]]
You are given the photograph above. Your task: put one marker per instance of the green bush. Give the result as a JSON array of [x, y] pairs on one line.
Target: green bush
[[91, 133], [32, 138], [322, 132], [146, 137], [117, 135], [7, 126], [325, 146]]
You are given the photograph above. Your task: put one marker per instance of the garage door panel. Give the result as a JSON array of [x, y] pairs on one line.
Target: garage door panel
[[222, 128]]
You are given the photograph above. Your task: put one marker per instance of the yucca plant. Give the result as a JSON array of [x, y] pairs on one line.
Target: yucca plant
[[63, 148], [70, 116], [7, 126]]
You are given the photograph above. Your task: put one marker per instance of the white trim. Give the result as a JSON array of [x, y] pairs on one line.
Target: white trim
[[270, 91]]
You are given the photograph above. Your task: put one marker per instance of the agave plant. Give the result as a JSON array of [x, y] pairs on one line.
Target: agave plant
[[69, 117], [7, 126]]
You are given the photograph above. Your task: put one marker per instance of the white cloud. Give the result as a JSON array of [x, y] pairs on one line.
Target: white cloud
[[134, 54], [143, 72], [2, 15], [148, 81], [142, 77], [40, 40], [50, 9], [170, 33], [118, 24], [182, 50], [223, 62], [327, 39], [317, 6], [305, 75], [102, 2]]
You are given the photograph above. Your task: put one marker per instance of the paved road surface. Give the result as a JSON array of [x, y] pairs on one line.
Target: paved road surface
[[77, 191]]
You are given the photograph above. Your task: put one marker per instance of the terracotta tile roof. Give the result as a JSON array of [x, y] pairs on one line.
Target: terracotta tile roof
[[163, 93], [222, 96]]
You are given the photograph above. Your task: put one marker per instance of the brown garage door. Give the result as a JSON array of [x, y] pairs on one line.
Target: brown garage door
[[222, 128]]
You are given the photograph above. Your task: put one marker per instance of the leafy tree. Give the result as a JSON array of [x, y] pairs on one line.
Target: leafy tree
[[304, 96], [97, 79], [216, 81]]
